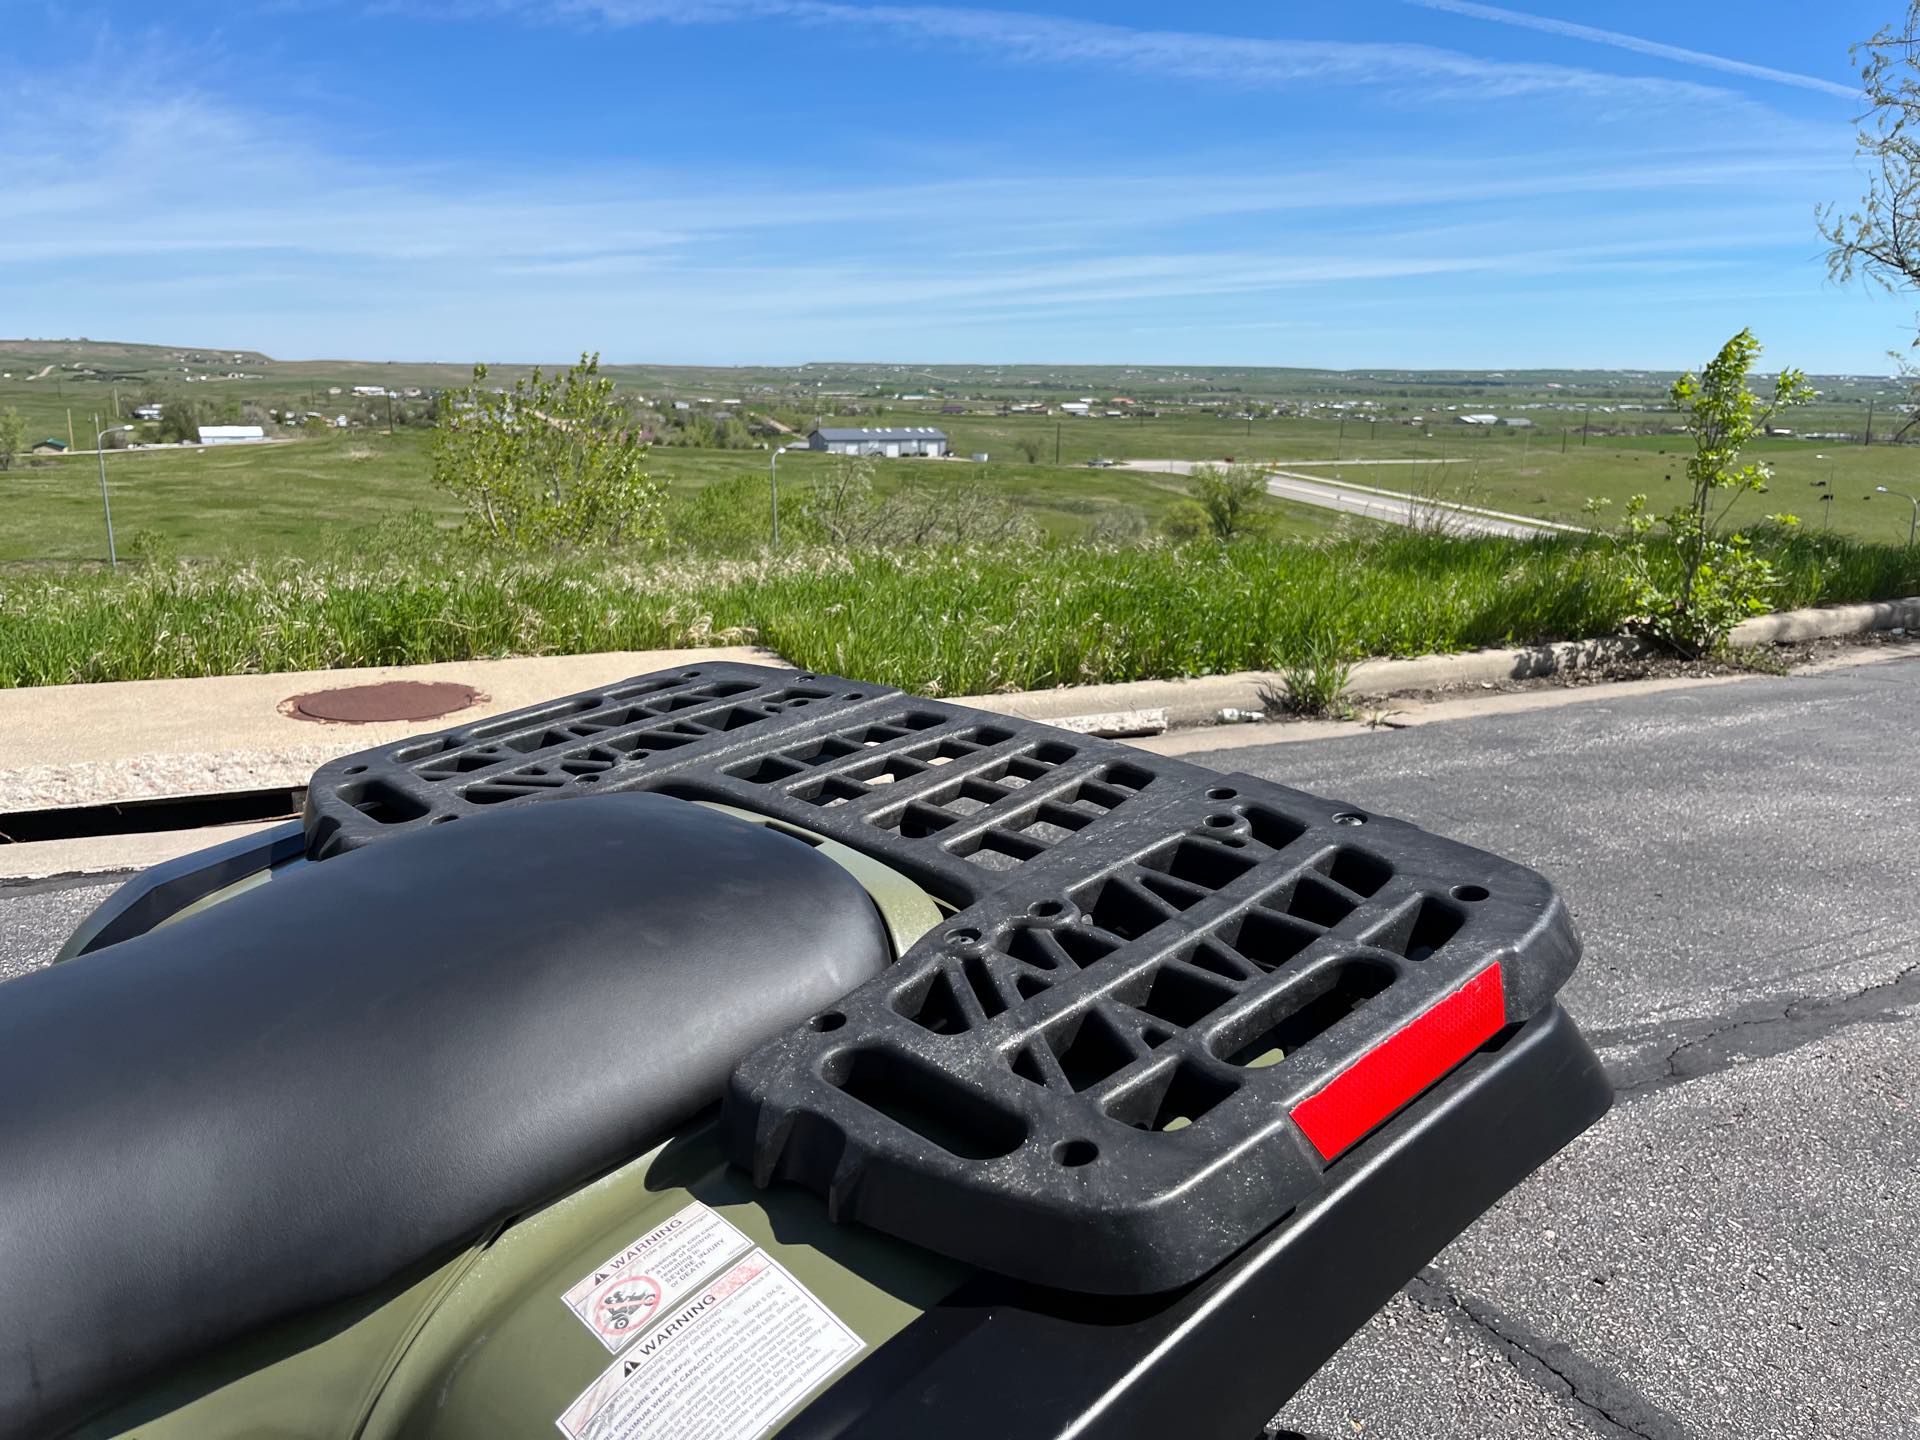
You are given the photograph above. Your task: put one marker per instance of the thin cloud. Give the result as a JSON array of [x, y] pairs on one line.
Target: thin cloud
[[1573, 31], [1237, 61]]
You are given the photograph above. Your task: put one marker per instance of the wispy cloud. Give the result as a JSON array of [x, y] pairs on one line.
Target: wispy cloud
[[284, 234], [1700, 58], [1236, 61]]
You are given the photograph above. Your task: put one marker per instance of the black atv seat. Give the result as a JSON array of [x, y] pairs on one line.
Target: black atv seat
[[294, 1097]]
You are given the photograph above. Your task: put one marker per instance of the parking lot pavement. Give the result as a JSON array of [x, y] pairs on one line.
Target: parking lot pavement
[[1731, 1252], [36, 919]]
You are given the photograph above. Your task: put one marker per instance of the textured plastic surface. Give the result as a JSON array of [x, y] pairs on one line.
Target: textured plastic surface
[[1014, 1361], [1088, 1076]]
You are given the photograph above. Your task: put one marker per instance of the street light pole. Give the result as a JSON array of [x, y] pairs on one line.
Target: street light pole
[[106, 505], [773, 481], [1913, 521]]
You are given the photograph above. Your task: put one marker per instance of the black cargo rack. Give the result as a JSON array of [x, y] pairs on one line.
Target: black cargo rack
[[1168, 1003]]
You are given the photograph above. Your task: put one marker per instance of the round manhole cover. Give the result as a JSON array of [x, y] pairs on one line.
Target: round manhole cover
[[390, 700]]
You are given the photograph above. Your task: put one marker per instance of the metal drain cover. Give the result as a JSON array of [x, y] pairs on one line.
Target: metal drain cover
[[390, 700]]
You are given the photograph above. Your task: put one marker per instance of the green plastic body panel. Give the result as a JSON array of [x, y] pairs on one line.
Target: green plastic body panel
[[483, 1346]]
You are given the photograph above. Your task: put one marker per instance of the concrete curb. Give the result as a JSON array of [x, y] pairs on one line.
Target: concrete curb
[[1200, 701], [1828, 621]]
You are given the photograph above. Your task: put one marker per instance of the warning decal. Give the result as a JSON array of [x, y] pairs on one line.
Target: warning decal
[[726, 1365], [626, 1292]]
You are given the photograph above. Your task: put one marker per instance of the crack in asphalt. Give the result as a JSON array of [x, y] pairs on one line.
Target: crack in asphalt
[[1761, 1032], [1604, 1402]]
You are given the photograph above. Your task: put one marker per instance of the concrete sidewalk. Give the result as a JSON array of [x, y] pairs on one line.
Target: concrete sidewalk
[[66, 745]]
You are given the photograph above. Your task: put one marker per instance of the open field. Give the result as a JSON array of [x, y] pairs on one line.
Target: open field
[[942, 620], [312, 495], [317, 494], [295, 499]]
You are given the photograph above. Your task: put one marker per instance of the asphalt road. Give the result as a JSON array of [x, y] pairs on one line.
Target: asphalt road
[[1370, 502], [1735, 1251], [1394, 509]]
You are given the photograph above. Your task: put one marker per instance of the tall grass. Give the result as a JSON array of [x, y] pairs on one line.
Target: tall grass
[[948, 621]]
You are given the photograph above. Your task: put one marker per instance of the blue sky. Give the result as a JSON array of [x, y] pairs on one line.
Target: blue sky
[[1417, 183]]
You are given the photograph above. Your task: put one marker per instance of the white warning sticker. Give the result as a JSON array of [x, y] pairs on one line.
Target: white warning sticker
[[726, 1365], [623, 1294]]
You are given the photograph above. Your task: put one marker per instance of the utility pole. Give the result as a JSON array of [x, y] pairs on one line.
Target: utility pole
[[1585, 420], [1869, 438], [1563, 439], [70, 444], [1340, 440], [1056, 442], [389, 412]]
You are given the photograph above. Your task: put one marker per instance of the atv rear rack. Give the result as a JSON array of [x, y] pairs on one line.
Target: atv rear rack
[[1168, 1003]]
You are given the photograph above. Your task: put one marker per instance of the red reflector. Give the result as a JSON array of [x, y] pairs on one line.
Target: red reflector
[[1376, 1085]]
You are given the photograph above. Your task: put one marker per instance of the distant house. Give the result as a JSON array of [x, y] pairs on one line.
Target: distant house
[[1476, 419], [231, 434], [49, 446], [953, 409], [889, 444], [1517, 423], [146, 412]]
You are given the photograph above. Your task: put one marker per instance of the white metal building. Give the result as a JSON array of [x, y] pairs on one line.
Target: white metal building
[[231, 434], [888, 444]]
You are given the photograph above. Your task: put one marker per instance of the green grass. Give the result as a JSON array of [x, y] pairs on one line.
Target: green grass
[[1531, 476], [310, 496], [940, 621], [222, 502], [307, 496]]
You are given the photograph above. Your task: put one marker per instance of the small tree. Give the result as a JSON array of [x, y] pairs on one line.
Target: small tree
[[843, 505], [1719, 579], [1879, 240], [1229, 496], [13, 437], [180, 421], [1031, 449], [554, 460]]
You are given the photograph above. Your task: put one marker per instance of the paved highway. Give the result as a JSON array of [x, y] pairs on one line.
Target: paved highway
[[1398, 509], [1373, 502]]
